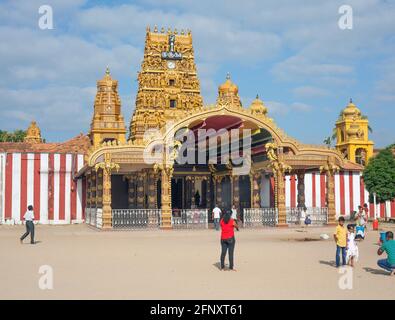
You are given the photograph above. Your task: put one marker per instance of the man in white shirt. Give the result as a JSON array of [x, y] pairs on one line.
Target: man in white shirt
[[29, 217], [216, 216]]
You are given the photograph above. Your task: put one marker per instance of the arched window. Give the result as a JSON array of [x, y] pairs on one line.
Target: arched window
[[360, 156]]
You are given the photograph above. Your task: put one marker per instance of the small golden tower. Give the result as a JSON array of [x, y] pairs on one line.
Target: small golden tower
[[33, 134], [168, 83], [352, 135], [107, 123], [258, 107], [228, 93]]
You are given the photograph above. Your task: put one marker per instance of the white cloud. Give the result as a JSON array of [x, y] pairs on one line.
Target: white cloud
[[309, 92]]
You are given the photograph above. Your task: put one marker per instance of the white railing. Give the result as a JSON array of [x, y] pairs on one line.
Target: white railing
[[318, 216], [260, 217], [136, 218], [190, 219]]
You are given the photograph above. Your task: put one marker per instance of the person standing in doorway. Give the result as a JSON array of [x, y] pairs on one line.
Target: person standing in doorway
[[29, 218], [234, 213], [216, 217], [228, 240]]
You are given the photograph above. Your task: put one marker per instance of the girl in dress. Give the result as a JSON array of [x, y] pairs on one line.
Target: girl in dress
[[352, 248]]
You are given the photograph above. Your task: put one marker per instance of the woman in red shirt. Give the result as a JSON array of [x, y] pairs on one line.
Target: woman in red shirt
[[227, 239]]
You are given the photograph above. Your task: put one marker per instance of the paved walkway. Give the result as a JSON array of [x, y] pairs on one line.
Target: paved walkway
[[271, 263]]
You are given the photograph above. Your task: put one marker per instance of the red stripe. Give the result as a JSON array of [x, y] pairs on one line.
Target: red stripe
[[36, 188], [73, 191], [342, 198], [23, 194], [362, 191], [51, 180], [8, 187], [272, 185], [351, 184], [323, 191], [382, 210], [62, 189], [393, 208], [293, 191], [371, 210], [83, 197], [314, 191]]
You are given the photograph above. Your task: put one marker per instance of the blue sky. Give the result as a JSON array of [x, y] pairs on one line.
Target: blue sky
[[291, 53]]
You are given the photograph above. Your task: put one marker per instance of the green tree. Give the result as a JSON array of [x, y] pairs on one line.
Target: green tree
[[328, 141], [379, 175], [16, 136]]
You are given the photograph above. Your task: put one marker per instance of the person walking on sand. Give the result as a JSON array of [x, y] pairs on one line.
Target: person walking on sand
[[389, 247], [340, 237], [29, 217], [228, 240], [216, 217], [234, 213]]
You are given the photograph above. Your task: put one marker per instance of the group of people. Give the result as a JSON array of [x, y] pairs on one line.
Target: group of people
[[346, 246]]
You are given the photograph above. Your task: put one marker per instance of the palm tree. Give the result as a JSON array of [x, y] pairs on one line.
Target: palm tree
[[328, 141]]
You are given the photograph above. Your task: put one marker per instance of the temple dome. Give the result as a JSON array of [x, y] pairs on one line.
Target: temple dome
[[351, 111], [228, 87], [257, 106], [107, 81]]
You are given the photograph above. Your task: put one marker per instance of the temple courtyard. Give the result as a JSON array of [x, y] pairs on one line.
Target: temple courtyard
[[272, 263]]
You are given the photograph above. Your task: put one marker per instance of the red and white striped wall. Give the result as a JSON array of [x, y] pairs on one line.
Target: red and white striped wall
[[350, 193], [44, 180]]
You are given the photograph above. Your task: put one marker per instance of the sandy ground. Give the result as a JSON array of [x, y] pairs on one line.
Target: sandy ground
[[180, 264]]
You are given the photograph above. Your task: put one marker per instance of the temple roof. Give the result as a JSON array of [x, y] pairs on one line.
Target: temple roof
[[79, 144]]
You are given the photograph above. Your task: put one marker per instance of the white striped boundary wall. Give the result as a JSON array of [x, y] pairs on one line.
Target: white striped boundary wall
[[44, 180], [350, 192]]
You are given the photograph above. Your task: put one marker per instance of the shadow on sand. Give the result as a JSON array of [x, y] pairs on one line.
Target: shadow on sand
[[331, 263], [376, 271], [217, 265]]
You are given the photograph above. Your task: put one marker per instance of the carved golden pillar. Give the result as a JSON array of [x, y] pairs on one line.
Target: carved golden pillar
[[151, 177], [140, 190], [235, 191], [255, 180], [99, 189], [88, 189], [218, 192], [131, 191], [301, 190], [107, 210], [193, 191], [330, 169], [107, 166], [208, 192], [93, 190], [331, 198], [280, 198], [167, 173]]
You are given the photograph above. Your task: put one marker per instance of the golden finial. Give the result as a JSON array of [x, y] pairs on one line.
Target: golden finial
[[168, 30], [227, 76], [162, 30], [148, 29], [257, 96], [175, 31], [107, 71], [156, 29]]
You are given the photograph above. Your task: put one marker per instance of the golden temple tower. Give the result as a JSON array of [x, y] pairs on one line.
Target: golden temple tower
[[352, 135], [33, 134], [168, 82], [107, 123], [228, 93]]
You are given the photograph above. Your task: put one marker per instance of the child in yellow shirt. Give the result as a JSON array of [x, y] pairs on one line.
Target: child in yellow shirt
[[340, 237]]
